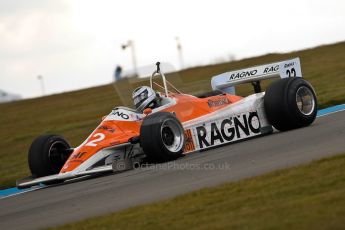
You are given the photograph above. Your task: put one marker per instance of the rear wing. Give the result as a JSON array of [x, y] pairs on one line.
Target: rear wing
[[226, 81]]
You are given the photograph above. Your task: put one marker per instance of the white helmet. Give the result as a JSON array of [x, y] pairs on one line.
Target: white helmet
[[143, 96]]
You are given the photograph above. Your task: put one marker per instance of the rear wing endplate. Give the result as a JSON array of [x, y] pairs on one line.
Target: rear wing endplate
[[283, 69]]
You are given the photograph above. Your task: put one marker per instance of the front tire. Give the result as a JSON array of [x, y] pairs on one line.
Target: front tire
[[290, 103], [47, 155], [162, 137]]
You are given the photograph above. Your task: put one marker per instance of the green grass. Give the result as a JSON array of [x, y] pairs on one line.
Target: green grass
[[304, 197], [75, 114]]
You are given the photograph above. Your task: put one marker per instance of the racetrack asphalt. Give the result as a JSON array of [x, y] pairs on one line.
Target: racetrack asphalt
[[70, 202]]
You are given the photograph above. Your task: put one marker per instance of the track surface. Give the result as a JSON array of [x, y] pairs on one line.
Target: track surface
[[70, 202]]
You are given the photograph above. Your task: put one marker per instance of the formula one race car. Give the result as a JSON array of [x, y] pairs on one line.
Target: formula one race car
[[165, 125]]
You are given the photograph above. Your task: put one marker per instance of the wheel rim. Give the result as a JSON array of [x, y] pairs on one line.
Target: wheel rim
[[172, 136], [55, 154], [305, 100]]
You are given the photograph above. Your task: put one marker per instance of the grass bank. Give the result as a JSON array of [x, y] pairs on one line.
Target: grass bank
[[304, 197]]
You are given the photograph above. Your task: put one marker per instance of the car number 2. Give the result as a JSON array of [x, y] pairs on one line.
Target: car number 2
[[99, 137]]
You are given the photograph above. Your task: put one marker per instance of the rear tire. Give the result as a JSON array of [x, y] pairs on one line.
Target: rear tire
[[47, 155], [162, 137], [290, 103]]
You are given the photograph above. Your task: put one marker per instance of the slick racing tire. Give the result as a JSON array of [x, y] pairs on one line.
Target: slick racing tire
[[162, 137], [47, 155], [290, 103]]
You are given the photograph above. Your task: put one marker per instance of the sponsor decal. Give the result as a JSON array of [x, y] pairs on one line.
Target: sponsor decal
[[78, 155], [135, 116], [271, 69], [218, 102], [76, 160], [121, 114], [189, 145], [106, 128], [288, 65], [228, 129], [243, 74]]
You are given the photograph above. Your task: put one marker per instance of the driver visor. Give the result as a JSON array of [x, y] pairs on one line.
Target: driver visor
[[142, 96]]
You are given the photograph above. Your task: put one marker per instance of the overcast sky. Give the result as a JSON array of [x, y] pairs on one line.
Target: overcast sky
[[77, 43]]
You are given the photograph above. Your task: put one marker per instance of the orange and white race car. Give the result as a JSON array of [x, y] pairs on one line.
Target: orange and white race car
[[165, 125]]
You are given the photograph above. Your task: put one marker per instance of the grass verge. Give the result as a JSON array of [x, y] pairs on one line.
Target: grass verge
[[303, 197], [75, 114]]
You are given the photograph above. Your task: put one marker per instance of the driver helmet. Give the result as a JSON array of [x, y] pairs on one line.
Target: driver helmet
[[143, 97]]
